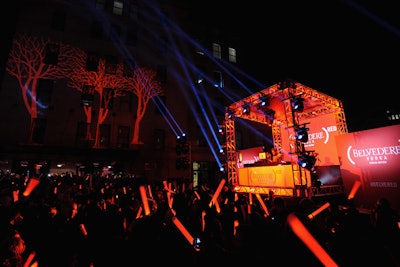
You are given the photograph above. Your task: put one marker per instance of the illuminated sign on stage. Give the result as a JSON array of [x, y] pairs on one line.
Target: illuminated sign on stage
[[373, 158]]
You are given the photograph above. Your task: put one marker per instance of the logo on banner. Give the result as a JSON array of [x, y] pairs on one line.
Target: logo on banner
[[324, 135], [372, 155]]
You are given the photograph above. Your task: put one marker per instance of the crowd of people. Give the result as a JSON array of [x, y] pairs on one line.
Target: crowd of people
[[94, 221]]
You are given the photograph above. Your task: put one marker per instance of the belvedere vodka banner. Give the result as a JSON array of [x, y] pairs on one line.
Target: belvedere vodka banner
[[373, 158]]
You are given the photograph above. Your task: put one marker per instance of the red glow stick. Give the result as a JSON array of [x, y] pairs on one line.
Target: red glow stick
[[83, 229], [203, 222], [145, 201], [183, 230], [29, 259], [262, 204], [354, 190], [305, 236], [197, 195], [139, 212], [33, 182], [319, 210], [149, 189], [217, 192], [235, 226], [15, 195]]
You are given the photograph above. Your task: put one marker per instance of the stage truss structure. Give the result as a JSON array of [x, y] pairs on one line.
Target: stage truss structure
[[315, 104]]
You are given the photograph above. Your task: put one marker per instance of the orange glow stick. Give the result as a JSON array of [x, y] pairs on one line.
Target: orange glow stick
[[145, 201], [250, 198], [83, 229], [217, 207], [139, 212], [170, 200], [354, 189], [235, 226], [29, 259], [55, 190], [197, 195], [262, 204], [301, 231], [33, 182], [217, 192], [124, 190], [319, 210], [149, 189], [15, 195], [203, 222], [183, 230]]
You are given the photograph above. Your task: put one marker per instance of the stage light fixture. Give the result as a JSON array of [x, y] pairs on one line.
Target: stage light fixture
[[263, 101], [302, 134], [297, 104], [246, 109], [230, 114], [306, 161]]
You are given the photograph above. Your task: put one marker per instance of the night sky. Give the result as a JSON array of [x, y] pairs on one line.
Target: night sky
[[349, 50]]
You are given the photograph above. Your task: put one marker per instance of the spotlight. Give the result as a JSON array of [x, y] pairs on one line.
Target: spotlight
[[302, 134], [306, 161], [230, 114], [263, 101], [297, 104], [246, 109]]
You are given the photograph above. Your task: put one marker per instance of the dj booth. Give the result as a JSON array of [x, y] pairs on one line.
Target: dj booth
[[280, 178]]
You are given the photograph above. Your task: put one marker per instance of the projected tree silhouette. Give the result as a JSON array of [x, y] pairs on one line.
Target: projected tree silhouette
[[107, 83], [145, 86], [32, 59]]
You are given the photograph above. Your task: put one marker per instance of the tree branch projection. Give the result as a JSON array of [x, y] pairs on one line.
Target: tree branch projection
[[27, 63], [107, 86], [145, 86]]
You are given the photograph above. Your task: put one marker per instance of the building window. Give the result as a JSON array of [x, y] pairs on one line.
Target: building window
[[159, 139], [123, 137], [218, 82], [216, 48], [43, 95], [111, 65], [92, 62], [87, 96], [133, 11], [51, 54], [39, 130], [83, 134], [107, 98], [100, 4], [125, 102], [118, 7], [115, 33], [104, 140], [232, 54]]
